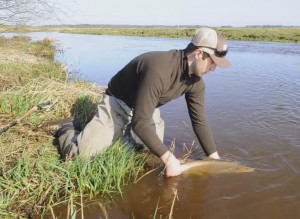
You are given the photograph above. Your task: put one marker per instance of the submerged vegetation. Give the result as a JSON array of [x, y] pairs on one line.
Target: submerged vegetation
[[33, 178], [273, 34]]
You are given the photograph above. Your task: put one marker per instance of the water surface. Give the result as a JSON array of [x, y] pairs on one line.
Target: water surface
[[253, 109]]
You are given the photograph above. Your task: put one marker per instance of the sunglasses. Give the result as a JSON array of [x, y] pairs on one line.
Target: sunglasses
[[218, 53]]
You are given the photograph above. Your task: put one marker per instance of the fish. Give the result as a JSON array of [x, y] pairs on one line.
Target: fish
[[212, 166]]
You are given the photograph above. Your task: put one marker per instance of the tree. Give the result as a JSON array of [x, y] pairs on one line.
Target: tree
[[13, 12]]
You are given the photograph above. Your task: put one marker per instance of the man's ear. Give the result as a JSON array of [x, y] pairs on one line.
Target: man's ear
[[198, 53]]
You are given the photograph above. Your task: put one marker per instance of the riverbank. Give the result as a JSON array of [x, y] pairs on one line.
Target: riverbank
[[271, 34], [33, 178]]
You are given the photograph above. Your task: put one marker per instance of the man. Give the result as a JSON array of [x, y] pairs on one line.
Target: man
[[130, 104]]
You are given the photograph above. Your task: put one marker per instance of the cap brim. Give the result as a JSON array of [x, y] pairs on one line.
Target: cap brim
[[222, 62]]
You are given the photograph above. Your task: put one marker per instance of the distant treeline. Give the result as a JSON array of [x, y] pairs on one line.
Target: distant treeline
[[252, 33]]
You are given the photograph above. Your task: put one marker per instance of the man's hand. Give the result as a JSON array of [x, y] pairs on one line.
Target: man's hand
[[172, 167], [215, 155]]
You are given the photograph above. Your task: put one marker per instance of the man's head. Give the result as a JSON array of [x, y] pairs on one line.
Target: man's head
[[213, 43]]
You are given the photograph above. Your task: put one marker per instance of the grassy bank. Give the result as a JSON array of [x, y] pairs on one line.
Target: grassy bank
[[271, 34], [250, 34], [33, 178]]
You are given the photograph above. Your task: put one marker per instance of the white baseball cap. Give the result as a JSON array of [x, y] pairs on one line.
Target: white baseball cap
[[213, 43]]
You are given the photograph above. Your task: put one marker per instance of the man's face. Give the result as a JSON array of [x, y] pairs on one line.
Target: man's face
[[202, 64]]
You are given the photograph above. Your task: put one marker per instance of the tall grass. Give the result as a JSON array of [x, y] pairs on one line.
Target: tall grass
[[38, 179], [33, 178]]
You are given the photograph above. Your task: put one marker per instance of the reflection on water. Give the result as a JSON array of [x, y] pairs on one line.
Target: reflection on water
[[254, 112]]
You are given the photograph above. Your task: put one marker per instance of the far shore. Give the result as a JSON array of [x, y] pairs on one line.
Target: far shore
[[269, 34]]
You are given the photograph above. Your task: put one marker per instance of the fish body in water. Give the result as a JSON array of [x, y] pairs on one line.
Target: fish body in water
[[211, 166]]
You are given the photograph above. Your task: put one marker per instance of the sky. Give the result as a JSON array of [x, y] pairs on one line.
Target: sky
[[213, 13]]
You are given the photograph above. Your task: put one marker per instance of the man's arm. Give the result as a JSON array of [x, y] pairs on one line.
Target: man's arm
[[149, 90], [196, 108]]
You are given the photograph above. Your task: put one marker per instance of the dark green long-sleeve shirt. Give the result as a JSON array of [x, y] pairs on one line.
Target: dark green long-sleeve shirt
[[151, 80]]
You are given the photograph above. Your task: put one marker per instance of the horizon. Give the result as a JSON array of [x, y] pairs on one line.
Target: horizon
[[176, 26]]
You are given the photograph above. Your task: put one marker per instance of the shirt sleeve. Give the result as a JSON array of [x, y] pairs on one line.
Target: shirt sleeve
[[196, 108], [150, 88]]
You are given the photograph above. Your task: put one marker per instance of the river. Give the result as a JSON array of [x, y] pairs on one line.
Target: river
[[254, 112]]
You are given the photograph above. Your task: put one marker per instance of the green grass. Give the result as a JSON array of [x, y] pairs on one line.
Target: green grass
[[250, 34], [39, 178], [33, 178]]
